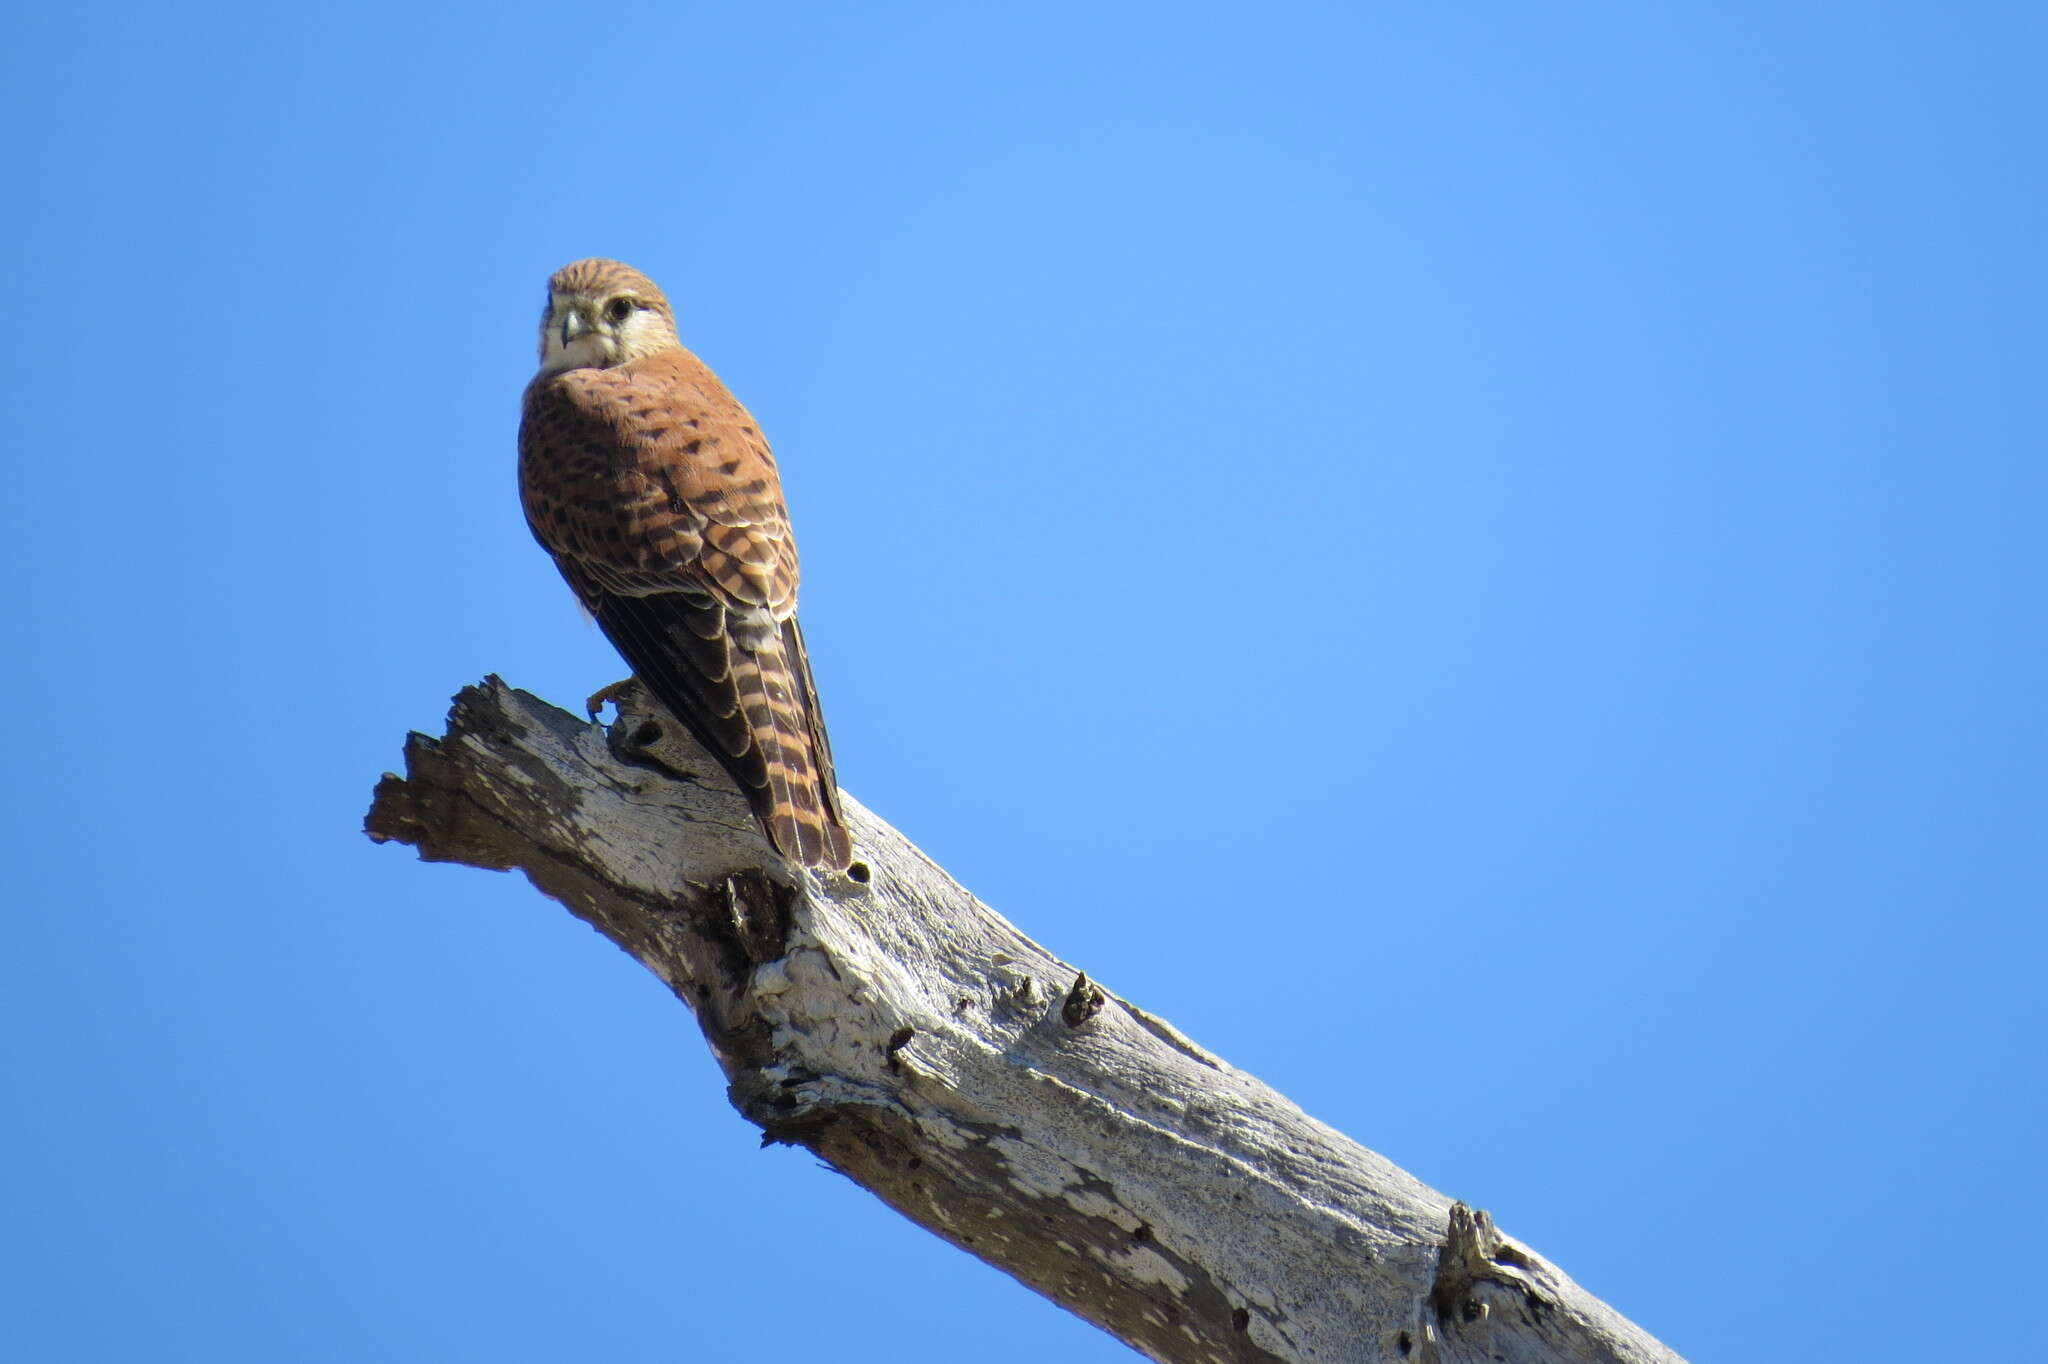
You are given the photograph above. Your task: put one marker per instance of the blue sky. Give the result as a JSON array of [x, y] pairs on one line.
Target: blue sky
[[1512, 530]]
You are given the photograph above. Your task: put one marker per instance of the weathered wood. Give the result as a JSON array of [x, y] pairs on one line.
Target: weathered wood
[[911, 1037]]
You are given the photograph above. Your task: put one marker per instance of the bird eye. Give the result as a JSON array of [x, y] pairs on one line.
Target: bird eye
[[618, 310]]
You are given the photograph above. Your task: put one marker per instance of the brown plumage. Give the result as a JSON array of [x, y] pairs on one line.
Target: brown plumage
[[659, 499]]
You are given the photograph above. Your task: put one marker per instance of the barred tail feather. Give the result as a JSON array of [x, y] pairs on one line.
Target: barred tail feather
[[801, 810], [755, 709]]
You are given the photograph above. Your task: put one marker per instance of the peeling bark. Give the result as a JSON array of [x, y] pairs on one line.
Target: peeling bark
[[908, 1035]]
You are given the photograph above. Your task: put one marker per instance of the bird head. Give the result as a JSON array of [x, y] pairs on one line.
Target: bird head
[[602, 313]]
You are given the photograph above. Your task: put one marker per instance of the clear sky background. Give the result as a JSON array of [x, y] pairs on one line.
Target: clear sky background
[[1484, 560]]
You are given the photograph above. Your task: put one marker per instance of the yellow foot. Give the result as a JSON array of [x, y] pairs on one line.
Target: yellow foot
[[598, 698]]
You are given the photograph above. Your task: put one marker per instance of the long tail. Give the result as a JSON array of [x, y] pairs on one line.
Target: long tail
[[799, 804], [755, 709]]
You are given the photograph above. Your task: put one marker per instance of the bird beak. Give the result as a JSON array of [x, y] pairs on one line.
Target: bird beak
[[573, 326]]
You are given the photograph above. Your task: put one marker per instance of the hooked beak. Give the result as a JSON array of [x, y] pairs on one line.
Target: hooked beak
[[573, 326]]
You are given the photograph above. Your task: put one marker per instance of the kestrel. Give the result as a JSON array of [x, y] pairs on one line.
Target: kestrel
[[658, 498]]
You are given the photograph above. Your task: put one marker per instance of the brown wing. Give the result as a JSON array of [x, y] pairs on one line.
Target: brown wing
[[659, 499]]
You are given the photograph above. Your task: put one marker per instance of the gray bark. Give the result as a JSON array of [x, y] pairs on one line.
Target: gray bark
[[912, 1038]]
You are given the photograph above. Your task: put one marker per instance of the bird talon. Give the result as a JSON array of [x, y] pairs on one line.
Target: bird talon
[[597, 699]]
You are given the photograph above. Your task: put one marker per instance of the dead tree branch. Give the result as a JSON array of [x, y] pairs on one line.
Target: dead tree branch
[[911, 1037]]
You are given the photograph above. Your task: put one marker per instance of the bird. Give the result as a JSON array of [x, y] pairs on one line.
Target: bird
[[659, 499]]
